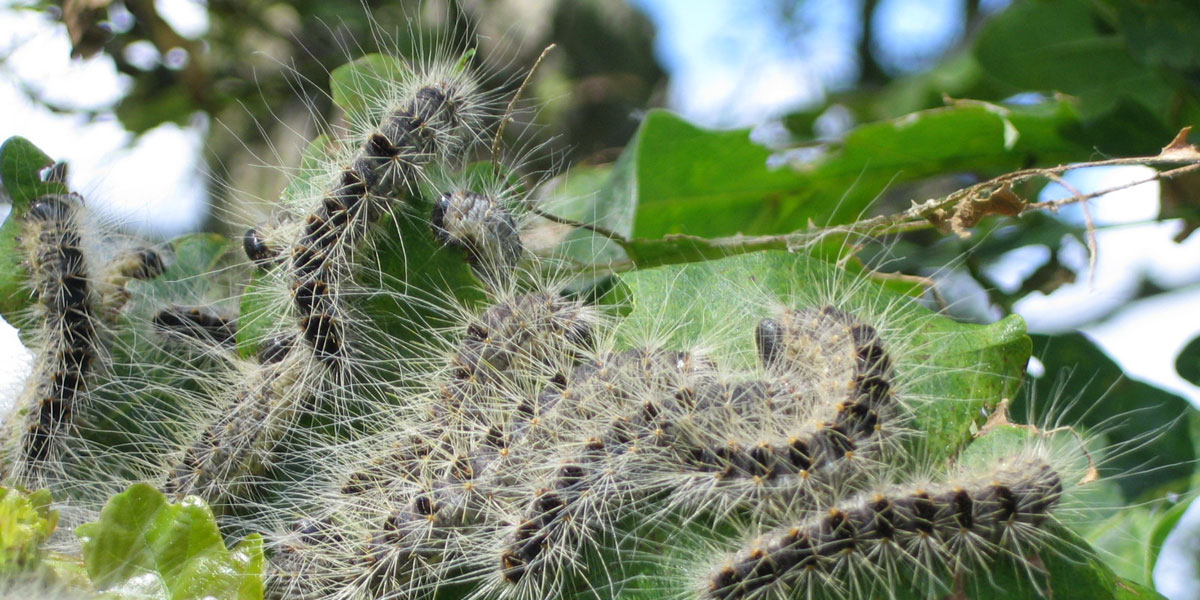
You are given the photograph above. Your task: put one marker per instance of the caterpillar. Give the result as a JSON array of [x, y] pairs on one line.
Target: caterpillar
[[828, 404], [633, 400], [62, 286], [483, 227], [929, 531], [197, 323], [133, 263], [234, 447], [424, 123], [258, 248]]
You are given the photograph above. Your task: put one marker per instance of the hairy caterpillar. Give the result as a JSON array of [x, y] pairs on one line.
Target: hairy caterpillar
[[430, 118], [70, 432], [197, 323], [63, 287], [954, 525], [232, 448], [829, 408], [483, 227], [257, 247]]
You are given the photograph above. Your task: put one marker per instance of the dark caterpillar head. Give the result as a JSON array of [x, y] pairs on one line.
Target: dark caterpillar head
[[768, 336], [50, 208], [141, 263], [256, 247]]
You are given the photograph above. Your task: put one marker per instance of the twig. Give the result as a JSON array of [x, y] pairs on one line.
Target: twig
[[512, 103], [608, 233], [1089, 226]]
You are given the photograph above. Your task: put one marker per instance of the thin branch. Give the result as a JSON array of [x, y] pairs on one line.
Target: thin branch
[[1089, 225], [608, 233], [512, 103]]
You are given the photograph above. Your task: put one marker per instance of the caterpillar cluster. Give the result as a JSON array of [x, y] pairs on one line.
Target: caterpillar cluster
[[410, 403], [512, 482], [310, 364]]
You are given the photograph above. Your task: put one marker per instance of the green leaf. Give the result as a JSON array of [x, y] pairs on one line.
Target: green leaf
[[197, 255], [1160, 33], [1123, 536], [965, 367], [15, 294], [149, 105], [684, 179], [143, 547], [964, 136], [420, 274], [1162, 528], [589, 195], [257, 316], [1127, 65], [1148, 428], [1188, 361], [1067, 46], [21, 164]]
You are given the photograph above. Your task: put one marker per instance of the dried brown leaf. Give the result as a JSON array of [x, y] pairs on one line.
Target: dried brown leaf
[[968, 212], [1179, 149]]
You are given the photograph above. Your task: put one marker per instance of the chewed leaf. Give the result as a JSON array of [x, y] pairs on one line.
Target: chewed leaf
[[144, 547], [684, 179]]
